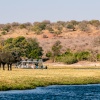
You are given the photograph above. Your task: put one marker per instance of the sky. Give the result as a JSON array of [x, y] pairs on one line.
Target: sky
[[23, 11]]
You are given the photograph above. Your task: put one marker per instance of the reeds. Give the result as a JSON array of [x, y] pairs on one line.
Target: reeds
[[32, 78]]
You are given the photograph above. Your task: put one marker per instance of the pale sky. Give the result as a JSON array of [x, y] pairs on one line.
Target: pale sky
[[54, 10]]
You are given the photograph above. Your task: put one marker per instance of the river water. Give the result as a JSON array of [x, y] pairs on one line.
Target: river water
[[55, 92]]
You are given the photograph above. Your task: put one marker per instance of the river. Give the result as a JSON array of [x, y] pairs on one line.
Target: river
[[55, 92]]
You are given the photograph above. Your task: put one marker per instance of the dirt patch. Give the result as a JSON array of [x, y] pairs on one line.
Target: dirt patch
[[79, 64]]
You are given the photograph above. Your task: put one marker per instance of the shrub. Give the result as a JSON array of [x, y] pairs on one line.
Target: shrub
[[84, 55], [95, 23], [6, 28], [98, 57], [45, 36], [22, 26], [50, 29], [58, 32], [83, 26], [49, 54], [71, 26], [71, 60], [3, 33]]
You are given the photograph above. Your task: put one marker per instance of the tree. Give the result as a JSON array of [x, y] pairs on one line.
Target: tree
[[22, 26], [83, 26], [56, 48], [49, 54], [38, 27], [7, 28], [27, 47], [58, 32], [35, 53], [33, 49], [83, 55], [95, 23], [71, 26], [16, 44]]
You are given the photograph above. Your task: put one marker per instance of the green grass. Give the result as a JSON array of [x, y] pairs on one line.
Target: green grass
[[32, 78]]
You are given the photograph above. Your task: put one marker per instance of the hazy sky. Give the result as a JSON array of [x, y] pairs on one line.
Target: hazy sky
[[54, 10]]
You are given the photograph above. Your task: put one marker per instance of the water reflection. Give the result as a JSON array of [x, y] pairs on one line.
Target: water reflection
[[55, 92]]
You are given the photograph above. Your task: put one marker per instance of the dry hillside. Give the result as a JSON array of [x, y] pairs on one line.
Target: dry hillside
[[74, 39]]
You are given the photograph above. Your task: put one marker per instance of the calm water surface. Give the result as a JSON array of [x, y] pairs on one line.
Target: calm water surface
[[55, 92]]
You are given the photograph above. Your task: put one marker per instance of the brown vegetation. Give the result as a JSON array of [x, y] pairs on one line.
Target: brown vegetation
[[73, 35]]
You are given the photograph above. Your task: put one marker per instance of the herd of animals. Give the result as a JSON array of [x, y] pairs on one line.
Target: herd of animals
[[9, 58]]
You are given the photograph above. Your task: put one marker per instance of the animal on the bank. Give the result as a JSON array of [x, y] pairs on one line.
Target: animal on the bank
[[9, 58]]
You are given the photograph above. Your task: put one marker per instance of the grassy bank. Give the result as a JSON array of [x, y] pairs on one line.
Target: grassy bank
[[32, 78]]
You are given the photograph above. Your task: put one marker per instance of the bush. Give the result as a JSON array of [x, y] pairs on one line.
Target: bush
[[45, 36], [71, 60], [6, 28], [83, 26], [22, 26], [38, 27], [71, 26], [95, 23], [84, 55], [98, 57], [49, 54], [68, 57], [3, 33]]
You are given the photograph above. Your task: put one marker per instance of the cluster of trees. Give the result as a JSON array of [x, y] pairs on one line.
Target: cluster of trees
[[27, 47], [30, 48], [73, 57], [54, 28]]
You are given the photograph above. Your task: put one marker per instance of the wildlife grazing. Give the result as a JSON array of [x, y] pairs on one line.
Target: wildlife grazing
[[9, 58]]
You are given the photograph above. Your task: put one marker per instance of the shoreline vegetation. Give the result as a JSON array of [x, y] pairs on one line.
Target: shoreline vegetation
[[21, 79]]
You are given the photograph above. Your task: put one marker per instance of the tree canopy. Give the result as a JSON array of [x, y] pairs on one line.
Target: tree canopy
[[27, 47]]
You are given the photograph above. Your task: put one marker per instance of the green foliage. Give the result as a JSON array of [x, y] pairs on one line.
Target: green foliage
[[67, 57], [38, 27], [27, 47], [13, 44], [71, 26], [84, 55], [22, 26], [56, 48], [49, 28], [74, 22], [68, 53], [3, 33], [49, 54], [95, 23], [33, 50], [70, 58], [35, 54], [9, 41], [98, 57], [58, 32], [6, 28]]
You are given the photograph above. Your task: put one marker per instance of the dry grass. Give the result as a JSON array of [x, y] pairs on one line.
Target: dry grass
[[31, 78]]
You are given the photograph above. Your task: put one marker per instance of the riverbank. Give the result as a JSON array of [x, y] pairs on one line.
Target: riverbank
[[18, 79]]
